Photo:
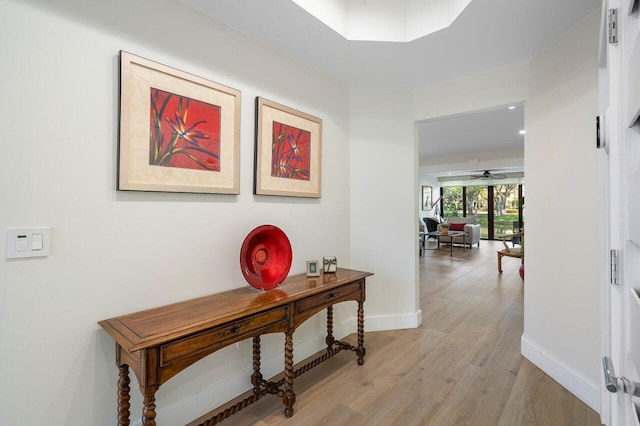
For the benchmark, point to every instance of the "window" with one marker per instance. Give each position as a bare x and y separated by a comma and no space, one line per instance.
477,205
504,217
453,202
506,211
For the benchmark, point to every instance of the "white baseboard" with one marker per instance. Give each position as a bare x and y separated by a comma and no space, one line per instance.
190,408
393,322
584,390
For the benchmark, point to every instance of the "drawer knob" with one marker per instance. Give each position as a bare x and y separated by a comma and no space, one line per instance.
331,296
235,329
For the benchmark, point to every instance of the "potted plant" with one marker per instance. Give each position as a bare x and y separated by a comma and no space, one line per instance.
444,227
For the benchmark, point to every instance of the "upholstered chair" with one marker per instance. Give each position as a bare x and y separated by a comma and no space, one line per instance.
517,252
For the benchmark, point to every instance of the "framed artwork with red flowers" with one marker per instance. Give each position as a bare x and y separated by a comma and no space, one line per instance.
178,132
288,151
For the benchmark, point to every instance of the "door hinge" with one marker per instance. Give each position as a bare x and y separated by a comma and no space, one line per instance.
615,267
613,25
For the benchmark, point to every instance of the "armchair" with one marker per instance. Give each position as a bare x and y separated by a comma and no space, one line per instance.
517,227
431,224
517,252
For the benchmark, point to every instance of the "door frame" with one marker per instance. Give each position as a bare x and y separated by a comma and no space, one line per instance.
613,82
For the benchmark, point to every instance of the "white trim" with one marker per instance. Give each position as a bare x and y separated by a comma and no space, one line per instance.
393,322
221,391
377,323
606,397
602,45
579,386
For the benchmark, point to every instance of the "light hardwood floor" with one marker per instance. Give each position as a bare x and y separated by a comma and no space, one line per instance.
461,367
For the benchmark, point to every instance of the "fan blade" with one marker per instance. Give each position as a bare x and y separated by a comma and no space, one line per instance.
488,175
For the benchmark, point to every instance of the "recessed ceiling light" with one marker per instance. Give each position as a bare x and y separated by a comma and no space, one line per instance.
512,107
522,132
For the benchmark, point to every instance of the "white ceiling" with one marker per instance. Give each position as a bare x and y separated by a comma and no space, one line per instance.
488,34
492,130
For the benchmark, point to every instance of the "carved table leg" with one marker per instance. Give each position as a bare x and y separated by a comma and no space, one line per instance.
256,377
330,339
289,398
123,396
149,408
360,351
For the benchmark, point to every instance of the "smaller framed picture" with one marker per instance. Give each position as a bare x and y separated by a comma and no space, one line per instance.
288,151
329,264
312,268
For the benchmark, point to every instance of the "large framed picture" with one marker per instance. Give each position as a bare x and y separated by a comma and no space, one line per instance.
178,132
427,197
288,151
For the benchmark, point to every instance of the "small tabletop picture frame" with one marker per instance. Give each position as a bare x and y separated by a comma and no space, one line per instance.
329,264
313,270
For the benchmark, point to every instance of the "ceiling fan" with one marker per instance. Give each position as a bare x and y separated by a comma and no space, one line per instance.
488,175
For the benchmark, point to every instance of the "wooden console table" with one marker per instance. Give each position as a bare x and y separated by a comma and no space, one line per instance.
159,343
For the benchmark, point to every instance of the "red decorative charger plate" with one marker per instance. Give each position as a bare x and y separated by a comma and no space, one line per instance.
265,257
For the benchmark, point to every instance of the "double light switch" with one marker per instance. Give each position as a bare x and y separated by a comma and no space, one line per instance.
28,242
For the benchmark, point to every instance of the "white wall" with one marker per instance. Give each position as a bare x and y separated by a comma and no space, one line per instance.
377,20
483,160
502,86
562,293
114,252
384,164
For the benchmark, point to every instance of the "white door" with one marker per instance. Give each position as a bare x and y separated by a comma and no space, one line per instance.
620,104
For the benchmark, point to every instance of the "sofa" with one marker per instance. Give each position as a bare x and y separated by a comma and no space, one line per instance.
469,226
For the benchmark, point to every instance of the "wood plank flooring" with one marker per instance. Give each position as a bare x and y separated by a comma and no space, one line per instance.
461,367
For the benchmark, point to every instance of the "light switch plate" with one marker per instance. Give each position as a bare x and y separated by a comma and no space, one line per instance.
28,242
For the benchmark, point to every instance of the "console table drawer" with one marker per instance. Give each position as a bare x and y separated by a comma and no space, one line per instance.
221,336
328,298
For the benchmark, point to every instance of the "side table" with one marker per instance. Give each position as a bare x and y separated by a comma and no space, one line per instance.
161,342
